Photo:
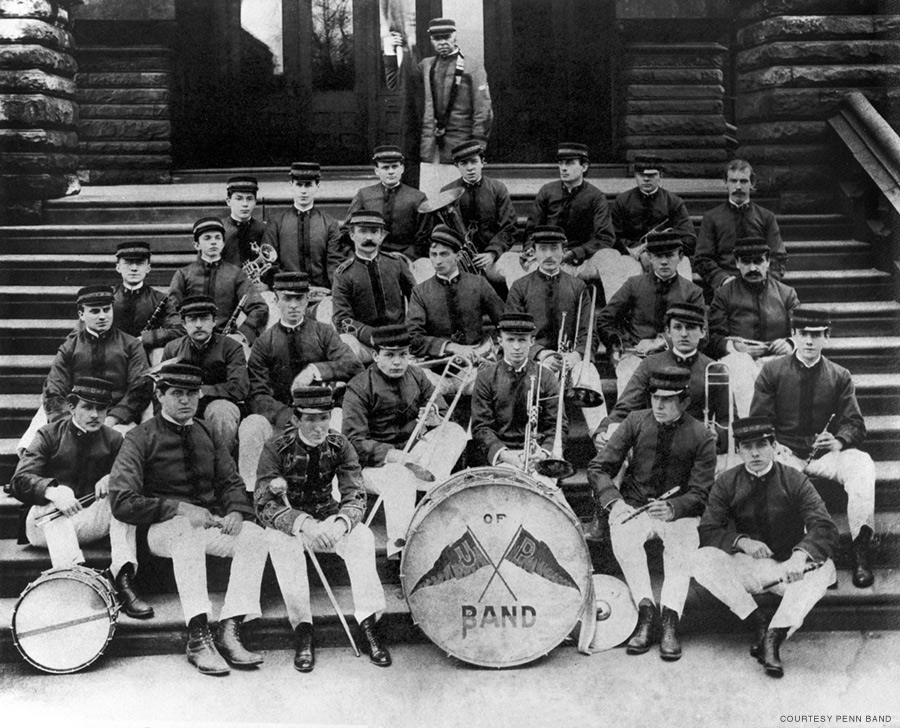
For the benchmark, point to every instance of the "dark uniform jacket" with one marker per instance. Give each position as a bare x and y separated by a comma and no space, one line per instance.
798,400
758,311
309,242
407,230
238,238
280,354
500,412
638,309
636,395
308,471
133,309
487,211
62,454
634,214
227,284
682,453
380,413
582,213
371,293
781,509
114,356
223,364
722,226
162,464
441,311
546,298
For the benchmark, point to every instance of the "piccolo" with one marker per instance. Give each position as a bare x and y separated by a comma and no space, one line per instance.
812,566
644,509
812,453
53,515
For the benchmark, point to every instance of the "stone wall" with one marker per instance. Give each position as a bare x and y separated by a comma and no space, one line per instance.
38,107
796,60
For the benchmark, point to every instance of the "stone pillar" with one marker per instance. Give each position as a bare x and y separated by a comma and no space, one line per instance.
38,110
796,60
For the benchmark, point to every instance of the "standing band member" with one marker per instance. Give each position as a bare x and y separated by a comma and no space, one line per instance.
670,450
68,462
294,501
763,526
243,232
819,427
175,477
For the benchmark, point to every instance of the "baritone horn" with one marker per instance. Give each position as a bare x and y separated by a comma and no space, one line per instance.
445,206
255,268
585,389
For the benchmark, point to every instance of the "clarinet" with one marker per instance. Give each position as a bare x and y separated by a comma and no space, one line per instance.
156,317
231,326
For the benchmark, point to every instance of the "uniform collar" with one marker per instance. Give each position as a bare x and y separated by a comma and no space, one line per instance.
176,425
291,328
132,291
739,207
510,368
686,358
447,281
804,364
763,475
308,210
549,276
366,261
97,335
574,190
210,263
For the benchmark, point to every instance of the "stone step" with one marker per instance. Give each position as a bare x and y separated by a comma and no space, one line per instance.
863,284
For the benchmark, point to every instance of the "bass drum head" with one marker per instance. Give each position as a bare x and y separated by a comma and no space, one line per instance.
495,569
64,620
616,614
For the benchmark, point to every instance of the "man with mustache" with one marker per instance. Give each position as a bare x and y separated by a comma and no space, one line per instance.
750,319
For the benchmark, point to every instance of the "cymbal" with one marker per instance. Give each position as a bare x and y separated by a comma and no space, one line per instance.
441,200
616,613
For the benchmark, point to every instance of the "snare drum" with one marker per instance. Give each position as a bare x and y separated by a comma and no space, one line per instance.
65,619
496,570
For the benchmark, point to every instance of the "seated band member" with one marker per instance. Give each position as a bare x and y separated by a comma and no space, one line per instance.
221,359
750,319
382,406
670,450
819,427
500,400
446,313
546,293
174,476
95,349
294,501
633,320
371,288
209,275
67,463
763,527
485,207
138,309
685,329
294,353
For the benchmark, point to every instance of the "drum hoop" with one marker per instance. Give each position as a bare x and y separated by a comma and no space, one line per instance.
90,578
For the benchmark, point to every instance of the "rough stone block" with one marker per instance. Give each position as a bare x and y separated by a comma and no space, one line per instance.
772,178
819,52
688,76
124,80
125,161
662,57
762,8
42,9
37,140
665,124
34,186
37,110
784,132
27,30
817,27
124,148
123,176
798,104
706,141
787,153
30,56
134,96
107,60
688,169
679,155
121,111
21,163
640,91
666,106
36,82
21,212
124,129
826,75
801,202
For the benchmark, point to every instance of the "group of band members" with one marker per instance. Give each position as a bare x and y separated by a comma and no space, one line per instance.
239,458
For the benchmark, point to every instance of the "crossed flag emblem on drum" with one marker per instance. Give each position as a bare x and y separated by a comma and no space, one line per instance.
466,555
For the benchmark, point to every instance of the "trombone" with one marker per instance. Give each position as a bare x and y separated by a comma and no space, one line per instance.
717,378
554,466
582,391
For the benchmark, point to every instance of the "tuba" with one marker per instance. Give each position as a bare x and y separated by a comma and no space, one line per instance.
445,206
255,268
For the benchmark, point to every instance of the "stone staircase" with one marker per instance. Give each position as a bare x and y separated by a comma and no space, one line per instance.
42,266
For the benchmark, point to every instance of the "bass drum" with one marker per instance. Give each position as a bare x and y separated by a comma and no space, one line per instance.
496,570
65,619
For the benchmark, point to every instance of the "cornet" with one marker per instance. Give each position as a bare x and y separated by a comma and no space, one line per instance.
266,256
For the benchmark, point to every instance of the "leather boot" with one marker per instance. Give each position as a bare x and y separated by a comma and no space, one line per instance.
862,572
132,604
669,646
228,642
759,625
771,658
643,634
378,654
201,651
305,654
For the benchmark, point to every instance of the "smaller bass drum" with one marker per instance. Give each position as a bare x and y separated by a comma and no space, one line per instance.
65,619
496,570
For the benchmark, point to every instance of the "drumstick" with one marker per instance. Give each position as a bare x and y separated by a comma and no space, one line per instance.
315,562
816,449
643,509
809,567
44,519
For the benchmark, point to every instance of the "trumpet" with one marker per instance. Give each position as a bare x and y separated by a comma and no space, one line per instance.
255,268
711,378
446,207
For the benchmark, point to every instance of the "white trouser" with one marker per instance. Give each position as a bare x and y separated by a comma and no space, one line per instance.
253,433
398,486
855,471
188,546
272,302
363,352
734,578
40,419
356,548
743,370
680,541
223,417
625,369
64,536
